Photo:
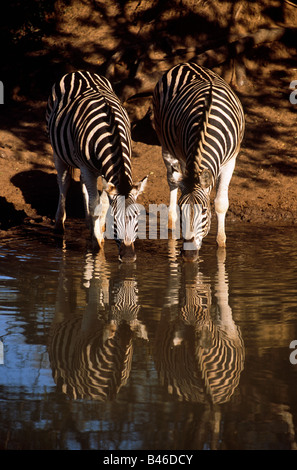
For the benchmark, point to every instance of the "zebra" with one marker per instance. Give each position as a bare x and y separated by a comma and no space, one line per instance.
199,350
89,129
91,349
200,124
90,364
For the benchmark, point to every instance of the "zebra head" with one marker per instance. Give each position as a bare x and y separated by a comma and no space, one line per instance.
195,210
125,212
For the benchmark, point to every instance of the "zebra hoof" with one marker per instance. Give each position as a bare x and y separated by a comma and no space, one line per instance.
97,245
221,240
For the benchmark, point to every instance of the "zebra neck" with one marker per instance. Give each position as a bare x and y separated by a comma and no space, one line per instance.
122,182
201,194
191,184
194,195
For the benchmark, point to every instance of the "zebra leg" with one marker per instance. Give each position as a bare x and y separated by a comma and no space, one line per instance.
86,204
104,202
64,179
93,206
226,321
173,177
172,213
222,201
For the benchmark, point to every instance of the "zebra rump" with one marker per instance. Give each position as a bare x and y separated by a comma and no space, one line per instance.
200,124
89,129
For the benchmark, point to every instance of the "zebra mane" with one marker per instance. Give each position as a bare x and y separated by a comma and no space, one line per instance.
194,159
90,84
125,184
123,175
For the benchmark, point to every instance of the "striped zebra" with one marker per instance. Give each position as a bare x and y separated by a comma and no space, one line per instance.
89,129
199,354
91,350
90,364
200,124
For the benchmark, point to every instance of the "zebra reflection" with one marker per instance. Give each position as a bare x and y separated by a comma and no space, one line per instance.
199,350
91,354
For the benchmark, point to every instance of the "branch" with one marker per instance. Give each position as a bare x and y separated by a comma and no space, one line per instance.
147,67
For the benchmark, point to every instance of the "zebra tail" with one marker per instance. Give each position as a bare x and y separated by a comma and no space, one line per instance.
205,119
195,161
124,171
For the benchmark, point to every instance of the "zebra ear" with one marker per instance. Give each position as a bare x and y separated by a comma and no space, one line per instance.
205,178
139,187
110,188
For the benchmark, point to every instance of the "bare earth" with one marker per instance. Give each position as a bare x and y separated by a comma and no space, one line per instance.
263,188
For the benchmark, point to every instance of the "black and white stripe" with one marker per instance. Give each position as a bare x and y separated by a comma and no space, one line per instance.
91,352
197,360
126,306
199,350
125,212
93,364
200,124
89,129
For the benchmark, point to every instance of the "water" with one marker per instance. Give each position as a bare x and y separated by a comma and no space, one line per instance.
159,355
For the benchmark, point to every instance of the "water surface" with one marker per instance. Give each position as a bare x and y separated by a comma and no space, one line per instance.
159,355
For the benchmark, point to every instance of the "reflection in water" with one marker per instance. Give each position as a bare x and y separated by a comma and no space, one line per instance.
91,355
199,353
180,389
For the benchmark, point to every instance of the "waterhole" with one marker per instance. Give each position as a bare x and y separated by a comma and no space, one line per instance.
160,354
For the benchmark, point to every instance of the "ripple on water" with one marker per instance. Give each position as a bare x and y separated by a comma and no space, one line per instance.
43,285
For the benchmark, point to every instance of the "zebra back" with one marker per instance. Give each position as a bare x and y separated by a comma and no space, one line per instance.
88,125
198,118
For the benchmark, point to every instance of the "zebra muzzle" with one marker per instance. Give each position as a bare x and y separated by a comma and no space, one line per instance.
189,251
127,253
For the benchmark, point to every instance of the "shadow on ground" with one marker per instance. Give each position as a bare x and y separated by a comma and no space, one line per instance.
40,190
